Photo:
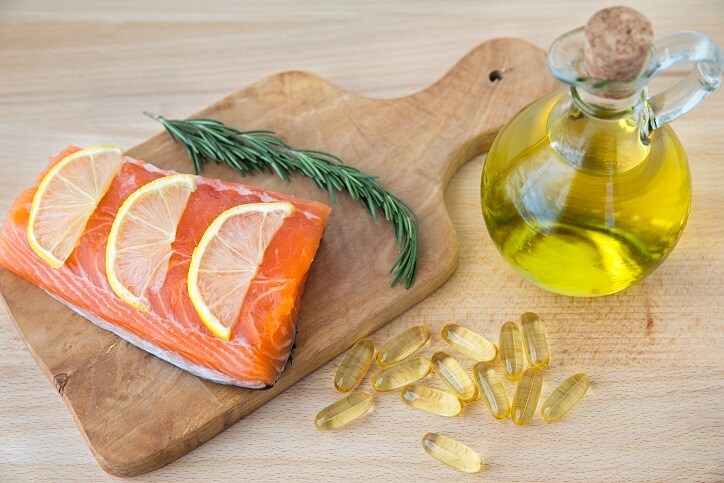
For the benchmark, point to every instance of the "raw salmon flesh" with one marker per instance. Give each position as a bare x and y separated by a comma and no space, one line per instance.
262,339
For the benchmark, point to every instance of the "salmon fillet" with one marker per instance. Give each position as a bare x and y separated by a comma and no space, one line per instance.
262,339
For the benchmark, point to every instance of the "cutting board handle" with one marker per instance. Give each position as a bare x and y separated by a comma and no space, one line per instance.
480,93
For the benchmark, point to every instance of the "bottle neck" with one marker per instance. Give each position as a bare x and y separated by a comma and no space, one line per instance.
606,108
598,134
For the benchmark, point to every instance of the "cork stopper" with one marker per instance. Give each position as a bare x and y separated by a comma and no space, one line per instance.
618,43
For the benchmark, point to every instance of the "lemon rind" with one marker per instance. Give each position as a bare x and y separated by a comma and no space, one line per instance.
202,309
43,253
116,285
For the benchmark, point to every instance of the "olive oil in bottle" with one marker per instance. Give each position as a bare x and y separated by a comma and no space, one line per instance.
587,225
586,191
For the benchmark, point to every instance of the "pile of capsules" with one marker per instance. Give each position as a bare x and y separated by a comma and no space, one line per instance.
400,371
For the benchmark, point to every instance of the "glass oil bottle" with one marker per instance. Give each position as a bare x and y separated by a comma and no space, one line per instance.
586,191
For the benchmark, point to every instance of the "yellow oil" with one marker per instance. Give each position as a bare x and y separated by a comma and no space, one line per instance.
452,453
469,343
454,376
401,374
354,365
431,400
583,204
535,340
526,397
491,390
344,411
403,345
510,345
564,397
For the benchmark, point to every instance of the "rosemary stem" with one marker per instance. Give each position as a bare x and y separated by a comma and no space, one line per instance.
262,151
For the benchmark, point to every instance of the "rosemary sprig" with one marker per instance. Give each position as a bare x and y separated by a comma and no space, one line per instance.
264,152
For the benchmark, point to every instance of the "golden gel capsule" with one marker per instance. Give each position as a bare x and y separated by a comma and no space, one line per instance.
534,340
469,343
491,390
354,365
527,394
343,411
565,397
452,453
431,400
454,376
402,374
511,351
403,346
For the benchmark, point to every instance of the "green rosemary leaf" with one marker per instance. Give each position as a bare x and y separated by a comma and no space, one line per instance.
262,151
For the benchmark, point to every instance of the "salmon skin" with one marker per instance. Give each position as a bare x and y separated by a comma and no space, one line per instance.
262,339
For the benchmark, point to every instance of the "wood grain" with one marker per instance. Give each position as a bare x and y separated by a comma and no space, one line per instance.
654,352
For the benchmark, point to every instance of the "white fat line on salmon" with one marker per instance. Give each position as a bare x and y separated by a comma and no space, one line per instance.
175,359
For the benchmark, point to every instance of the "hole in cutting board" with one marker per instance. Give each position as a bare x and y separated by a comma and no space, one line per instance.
495,75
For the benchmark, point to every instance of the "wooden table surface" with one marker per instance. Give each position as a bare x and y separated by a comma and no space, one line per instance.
82,72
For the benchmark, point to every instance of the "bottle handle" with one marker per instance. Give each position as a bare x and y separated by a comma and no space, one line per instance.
705,77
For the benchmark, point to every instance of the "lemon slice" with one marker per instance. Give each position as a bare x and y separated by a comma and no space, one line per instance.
227,259
139,244
65,199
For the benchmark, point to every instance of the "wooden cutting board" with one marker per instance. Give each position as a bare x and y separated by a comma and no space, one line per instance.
138,412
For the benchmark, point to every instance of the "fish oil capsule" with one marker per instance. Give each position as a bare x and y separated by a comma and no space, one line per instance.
491,390
354,365
343,411
535,340
402,374
454,376
452,453
431,400
511,351
564,397
403,345
527,394
469,343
